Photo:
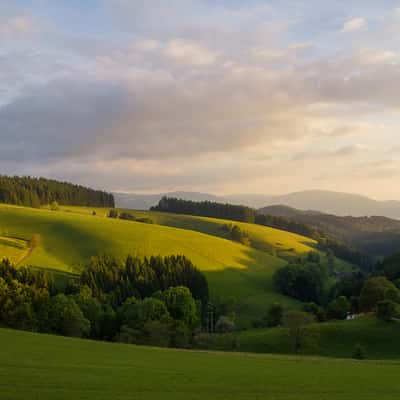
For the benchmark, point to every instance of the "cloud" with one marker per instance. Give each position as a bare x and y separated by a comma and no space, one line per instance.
18,27
198,95
339,153
371,56
354,24
189,52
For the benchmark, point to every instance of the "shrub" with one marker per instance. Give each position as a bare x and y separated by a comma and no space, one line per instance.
54,206
359,352
386,310
224,325
338,308
126,216
113,213
275,315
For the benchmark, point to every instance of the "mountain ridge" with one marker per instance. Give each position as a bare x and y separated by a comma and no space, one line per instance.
323,201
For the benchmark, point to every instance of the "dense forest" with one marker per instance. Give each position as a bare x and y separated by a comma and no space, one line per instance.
34,192
155,301
206,209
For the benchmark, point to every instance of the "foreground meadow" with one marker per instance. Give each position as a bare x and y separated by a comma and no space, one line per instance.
37,366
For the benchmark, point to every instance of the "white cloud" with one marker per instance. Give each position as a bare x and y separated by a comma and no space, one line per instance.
189,52
370,57
354,24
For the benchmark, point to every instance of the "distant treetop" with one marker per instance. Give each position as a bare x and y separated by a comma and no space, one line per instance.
206,209
34,192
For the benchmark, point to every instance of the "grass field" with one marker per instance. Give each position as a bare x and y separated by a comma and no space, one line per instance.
276,242
34,366
14,249
333,339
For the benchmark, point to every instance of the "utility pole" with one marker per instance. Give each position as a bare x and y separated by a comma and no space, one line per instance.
210,318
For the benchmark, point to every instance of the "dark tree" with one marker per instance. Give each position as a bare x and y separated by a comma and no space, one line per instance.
206,209
34,192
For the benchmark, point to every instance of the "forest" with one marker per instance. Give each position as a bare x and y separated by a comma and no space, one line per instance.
206,209
35,192
156,300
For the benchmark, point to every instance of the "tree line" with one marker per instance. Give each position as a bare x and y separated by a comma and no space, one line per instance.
157,300
206,209
34,192
250,215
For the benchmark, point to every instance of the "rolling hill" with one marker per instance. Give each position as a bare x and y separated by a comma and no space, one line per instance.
39,366
324,201
377,236
65,240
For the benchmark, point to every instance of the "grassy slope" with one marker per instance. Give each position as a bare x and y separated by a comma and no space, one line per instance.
14,249
276,242
333,339
34,366
68,239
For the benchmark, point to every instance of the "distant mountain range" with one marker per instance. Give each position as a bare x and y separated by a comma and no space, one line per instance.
145,201
341,204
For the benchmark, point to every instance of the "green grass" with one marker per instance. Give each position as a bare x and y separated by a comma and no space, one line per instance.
34,366
14,249
279,243
333,339
67,240
69,237
274,241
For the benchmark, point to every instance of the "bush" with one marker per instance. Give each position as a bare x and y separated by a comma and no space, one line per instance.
145,220
313,257
113,213
386,310
296,322
275,315
224,325
126,216
54,206
359,352
236,234
338,308
316,310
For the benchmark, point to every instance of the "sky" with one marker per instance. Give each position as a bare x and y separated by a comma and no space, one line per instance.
203,95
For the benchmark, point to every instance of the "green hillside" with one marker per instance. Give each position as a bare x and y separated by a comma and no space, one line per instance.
37,366
14,249
66,239
274,241
333,339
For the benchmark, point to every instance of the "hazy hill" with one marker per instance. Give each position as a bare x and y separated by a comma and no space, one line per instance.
145,201
337,203
375,235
